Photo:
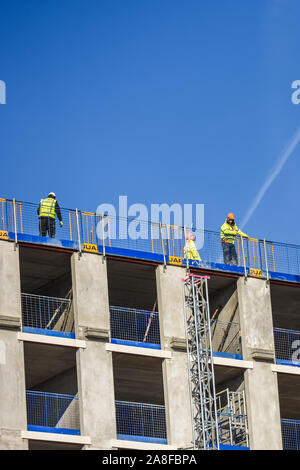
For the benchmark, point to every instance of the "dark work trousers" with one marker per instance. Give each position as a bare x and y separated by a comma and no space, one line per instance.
47,224
229,253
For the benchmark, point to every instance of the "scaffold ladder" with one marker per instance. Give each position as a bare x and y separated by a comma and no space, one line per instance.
200,363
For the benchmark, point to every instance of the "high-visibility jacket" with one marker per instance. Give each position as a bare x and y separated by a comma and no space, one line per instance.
190,250
229,232
47,207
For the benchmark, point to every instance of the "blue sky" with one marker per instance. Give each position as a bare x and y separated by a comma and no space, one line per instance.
165,101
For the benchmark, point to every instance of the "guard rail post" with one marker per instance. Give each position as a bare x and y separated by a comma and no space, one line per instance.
103,238
187,258
266,261
244,260
78,233
15,222
162,244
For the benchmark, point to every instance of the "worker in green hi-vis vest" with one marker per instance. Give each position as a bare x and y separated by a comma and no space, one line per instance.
229,231
47,210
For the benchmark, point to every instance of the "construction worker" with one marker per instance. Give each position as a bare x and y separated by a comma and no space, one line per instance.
229,231
46,211
190,250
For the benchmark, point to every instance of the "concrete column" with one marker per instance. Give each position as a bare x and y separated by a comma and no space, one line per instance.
261,387
13,418
94,364
175,370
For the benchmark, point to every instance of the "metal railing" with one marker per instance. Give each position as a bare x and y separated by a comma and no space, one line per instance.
290,429
81,227
139,421
232,418
41,314
226,338
135,326
287,346
52,412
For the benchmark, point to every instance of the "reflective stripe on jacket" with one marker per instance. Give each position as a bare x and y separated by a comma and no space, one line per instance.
229,232
47,207
190,250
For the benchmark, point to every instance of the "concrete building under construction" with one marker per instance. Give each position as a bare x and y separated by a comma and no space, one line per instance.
98,339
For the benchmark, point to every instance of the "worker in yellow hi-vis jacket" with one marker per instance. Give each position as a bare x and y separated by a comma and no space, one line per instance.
190,250
47,210
229,231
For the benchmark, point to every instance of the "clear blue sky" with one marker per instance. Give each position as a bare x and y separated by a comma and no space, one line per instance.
161,100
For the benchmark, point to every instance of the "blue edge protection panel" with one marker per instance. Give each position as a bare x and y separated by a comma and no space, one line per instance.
36,428
44,331
284,362
136,254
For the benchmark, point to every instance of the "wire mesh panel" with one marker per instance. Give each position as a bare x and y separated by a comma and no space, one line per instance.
140,420
287,345
212,251
126,233
287,258
226,337
52,410
290,429
28,219
135,325
8,212
49,313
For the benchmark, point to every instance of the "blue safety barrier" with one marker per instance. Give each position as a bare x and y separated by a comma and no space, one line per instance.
141,422
52,412
287,347
43,315
134,327
290,429
149,241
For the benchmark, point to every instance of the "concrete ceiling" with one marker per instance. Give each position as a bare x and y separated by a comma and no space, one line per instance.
228,377
138,379
39,267
131,285
286,306
289,397
217,283
44,361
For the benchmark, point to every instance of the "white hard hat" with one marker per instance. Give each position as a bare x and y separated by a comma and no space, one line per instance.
52,194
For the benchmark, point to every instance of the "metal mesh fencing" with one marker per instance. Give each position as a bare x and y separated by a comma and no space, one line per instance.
151,237
290,429
134,325
140,420
50,313
226,337
9,213
128,234
286,258
28,219
287,345
52,410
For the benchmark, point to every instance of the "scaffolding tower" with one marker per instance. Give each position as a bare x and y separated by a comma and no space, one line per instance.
200,363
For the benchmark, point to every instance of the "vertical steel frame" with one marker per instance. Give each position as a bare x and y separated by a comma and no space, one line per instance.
200,363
